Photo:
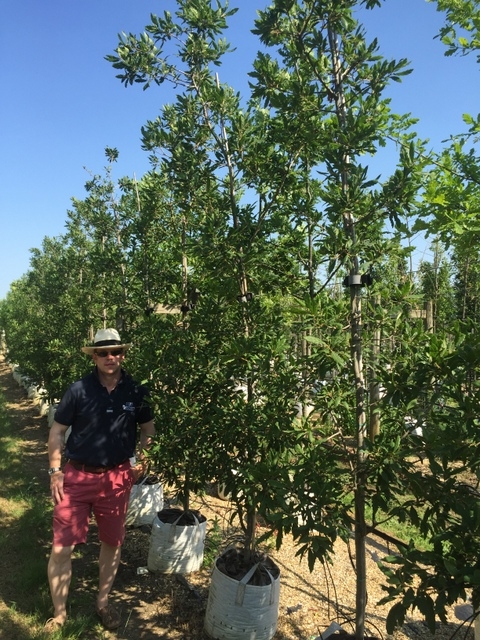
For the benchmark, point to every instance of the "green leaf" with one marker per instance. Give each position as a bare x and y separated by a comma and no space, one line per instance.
395,618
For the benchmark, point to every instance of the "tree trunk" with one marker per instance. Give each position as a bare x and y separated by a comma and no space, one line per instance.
356,348
374,384
360,480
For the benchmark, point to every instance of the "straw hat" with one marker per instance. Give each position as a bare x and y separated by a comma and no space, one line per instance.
106,339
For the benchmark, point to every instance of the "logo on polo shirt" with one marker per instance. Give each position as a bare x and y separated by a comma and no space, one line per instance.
129,406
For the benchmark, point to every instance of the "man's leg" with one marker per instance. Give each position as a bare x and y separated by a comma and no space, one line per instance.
70,527
59,576
108,565
110,509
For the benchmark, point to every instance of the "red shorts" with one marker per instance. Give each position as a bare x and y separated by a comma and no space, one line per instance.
103,494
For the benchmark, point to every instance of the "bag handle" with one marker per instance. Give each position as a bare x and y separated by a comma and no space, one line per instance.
174,526
243,584
272,583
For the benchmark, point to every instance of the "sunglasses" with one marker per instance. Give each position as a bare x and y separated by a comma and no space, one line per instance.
113,352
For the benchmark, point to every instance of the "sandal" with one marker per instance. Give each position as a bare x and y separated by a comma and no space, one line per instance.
52,625
109,617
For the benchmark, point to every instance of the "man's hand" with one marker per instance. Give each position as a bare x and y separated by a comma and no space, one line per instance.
56,486
140,469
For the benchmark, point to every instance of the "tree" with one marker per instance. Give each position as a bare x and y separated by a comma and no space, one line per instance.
227,358
437,286
332,80
43,318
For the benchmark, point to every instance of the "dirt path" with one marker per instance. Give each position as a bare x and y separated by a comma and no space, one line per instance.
163,606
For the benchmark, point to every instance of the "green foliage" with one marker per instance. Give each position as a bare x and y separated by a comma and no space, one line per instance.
451,194
42,330
142,59
460,34
443,506
213,542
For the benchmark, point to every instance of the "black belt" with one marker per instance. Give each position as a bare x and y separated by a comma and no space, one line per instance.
88,468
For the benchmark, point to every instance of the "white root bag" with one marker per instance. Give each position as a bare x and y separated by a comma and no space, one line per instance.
240,611
176,548
146,500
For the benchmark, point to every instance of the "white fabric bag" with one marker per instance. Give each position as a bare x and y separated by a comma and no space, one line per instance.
237,610
146,500
176,548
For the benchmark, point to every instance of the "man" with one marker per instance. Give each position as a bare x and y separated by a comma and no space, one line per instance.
103,410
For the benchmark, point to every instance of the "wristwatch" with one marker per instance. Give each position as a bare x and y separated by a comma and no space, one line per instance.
53,470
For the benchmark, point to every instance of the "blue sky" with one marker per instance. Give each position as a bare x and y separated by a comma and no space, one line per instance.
62,104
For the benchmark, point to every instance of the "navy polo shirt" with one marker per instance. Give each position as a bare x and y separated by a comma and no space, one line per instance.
104,425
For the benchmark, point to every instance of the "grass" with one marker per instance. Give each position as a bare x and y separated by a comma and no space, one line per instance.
406,532
25,538
399,530
25,515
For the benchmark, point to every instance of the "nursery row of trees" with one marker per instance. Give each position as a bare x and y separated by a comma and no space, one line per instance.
262,275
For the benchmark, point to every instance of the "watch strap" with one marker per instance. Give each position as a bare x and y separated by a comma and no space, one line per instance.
53,470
